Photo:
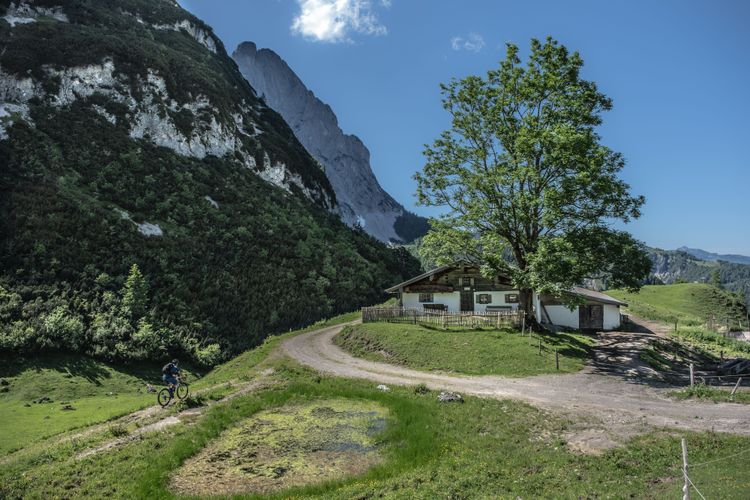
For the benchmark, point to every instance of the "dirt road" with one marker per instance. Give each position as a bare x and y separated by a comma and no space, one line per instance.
618,406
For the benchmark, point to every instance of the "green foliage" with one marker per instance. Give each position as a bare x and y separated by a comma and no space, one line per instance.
474,352
522,171
62,329
76,275
713,342
135,294
716,278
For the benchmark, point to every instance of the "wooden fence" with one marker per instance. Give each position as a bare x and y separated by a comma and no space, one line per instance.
443,319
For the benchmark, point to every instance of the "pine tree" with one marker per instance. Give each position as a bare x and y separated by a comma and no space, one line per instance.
135,295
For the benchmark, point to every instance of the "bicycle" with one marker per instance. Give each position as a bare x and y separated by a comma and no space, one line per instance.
181,390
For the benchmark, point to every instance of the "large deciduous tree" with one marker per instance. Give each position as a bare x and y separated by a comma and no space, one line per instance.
526,185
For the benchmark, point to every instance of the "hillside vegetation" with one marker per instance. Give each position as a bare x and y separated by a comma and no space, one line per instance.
138,142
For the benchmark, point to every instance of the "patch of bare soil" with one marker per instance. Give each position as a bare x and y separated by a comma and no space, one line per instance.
294,445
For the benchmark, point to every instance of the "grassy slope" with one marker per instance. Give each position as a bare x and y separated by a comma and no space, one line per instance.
690,304
98,391
482,448
477,352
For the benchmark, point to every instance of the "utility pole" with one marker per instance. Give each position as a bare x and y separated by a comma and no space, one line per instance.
686,486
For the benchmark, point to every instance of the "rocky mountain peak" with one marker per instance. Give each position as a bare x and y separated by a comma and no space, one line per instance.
362,201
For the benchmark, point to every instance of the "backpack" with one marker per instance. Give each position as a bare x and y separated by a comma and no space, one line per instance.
167,369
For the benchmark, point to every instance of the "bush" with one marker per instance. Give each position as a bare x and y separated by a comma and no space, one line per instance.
62,330
210,355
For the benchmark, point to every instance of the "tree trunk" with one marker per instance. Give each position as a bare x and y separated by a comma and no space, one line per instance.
526,304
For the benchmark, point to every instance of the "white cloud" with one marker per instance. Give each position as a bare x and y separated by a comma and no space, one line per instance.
473,42
334,20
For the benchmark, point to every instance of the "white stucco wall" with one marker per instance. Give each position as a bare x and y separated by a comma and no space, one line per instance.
563,316
611,317
452,300
498,299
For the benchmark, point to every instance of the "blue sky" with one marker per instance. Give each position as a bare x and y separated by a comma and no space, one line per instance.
678,72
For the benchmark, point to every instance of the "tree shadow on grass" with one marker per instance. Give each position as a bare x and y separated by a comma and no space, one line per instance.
93,371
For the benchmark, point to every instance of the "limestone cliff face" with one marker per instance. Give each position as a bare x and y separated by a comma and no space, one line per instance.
190,115
346,160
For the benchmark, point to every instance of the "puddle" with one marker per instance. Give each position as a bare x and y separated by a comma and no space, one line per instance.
289,446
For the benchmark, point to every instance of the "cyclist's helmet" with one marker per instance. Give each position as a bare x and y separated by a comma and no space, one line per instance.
174,361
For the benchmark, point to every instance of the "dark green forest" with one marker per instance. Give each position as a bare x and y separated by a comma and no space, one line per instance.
238,259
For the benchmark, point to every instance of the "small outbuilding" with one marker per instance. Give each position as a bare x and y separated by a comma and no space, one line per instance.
462,288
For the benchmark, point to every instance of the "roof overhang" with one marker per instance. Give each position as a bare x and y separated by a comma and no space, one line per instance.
437,270
597,296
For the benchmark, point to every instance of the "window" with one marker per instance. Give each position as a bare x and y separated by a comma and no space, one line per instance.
511,298
425,297
484,298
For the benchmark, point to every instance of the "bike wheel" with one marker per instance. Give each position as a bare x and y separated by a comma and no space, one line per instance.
164,397
182,391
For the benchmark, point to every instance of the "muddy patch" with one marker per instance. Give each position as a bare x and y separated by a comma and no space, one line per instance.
294,445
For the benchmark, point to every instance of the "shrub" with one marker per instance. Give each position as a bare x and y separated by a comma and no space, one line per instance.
61,329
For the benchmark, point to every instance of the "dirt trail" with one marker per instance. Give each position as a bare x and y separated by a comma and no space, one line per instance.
618,406
185,416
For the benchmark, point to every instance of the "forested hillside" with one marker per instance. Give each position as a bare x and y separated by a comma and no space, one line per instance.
150,203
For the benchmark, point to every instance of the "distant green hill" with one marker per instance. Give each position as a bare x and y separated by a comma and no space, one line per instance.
692,304
676,266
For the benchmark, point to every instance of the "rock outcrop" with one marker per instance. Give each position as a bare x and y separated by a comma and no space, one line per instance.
193,125
362,201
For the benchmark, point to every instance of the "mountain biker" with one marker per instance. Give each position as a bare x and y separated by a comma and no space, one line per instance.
170,372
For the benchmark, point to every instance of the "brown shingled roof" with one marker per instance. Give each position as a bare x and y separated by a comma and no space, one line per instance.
597,296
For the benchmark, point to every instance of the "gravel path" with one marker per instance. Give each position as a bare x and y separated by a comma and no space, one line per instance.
606,406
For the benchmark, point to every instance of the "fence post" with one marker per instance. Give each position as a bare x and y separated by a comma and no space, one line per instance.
523,323
675,326
692,375
736,386
557,359
686,479
722,356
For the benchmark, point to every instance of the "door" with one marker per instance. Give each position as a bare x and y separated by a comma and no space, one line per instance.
467,301
591,317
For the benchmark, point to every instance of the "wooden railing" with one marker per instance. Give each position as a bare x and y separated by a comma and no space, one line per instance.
444,319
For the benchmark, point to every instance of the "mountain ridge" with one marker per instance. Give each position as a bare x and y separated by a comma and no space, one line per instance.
714,257
362,200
